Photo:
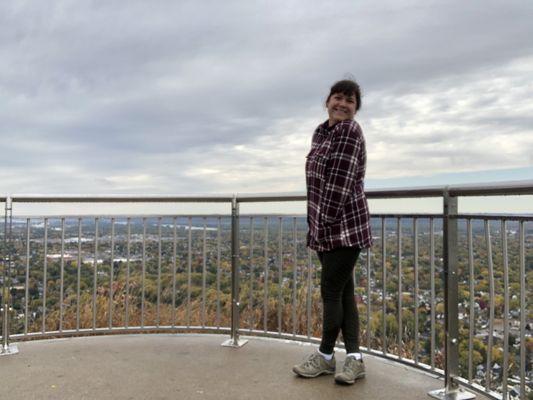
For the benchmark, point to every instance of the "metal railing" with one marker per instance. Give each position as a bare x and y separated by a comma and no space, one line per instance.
420,287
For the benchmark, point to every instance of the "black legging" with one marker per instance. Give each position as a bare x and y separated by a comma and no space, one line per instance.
337,289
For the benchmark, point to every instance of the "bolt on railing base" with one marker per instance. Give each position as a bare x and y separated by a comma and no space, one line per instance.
459,394
9,349
234,343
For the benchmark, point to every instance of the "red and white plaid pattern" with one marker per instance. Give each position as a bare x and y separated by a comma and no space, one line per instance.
337,210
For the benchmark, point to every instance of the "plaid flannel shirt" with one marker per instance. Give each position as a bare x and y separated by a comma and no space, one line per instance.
337,210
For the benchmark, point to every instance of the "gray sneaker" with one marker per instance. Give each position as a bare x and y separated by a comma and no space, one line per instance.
353,369
314,365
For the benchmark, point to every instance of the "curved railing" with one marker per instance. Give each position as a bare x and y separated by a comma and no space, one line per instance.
434,292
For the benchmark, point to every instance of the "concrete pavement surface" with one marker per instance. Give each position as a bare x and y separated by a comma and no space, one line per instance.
190,366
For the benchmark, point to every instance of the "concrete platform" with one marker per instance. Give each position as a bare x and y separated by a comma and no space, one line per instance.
185,366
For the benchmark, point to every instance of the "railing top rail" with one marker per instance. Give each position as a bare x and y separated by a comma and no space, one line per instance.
270,197
407,192
434,191
477,189
511,188
119,198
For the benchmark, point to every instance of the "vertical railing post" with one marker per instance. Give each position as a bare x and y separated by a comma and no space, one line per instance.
449,248
451,312
5,307
234,339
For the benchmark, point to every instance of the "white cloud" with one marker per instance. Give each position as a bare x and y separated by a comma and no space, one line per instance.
479,121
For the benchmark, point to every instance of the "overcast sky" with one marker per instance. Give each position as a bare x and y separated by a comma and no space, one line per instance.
223,96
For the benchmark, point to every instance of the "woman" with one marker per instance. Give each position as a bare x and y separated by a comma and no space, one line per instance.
339,227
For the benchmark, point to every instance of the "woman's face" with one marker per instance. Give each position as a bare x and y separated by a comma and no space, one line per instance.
341,107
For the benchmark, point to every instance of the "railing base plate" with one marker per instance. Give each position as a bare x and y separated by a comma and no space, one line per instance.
10,349
459,394
234,343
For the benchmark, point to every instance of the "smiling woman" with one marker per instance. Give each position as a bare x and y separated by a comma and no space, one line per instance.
339,228
343,101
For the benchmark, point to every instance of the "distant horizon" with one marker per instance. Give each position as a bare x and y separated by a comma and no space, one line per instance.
514,204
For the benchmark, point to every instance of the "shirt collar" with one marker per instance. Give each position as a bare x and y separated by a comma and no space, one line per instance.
324,128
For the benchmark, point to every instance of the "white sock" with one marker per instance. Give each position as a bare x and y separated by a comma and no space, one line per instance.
328,357
357,356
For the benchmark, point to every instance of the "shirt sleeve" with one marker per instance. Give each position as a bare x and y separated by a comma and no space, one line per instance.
341,173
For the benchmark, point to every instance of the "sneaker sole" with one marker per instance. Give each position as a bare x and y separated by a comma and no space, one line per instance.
350,382
303,375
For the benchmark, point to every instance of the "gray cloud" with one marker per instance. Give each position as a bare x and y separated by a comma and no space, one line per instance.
178,96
